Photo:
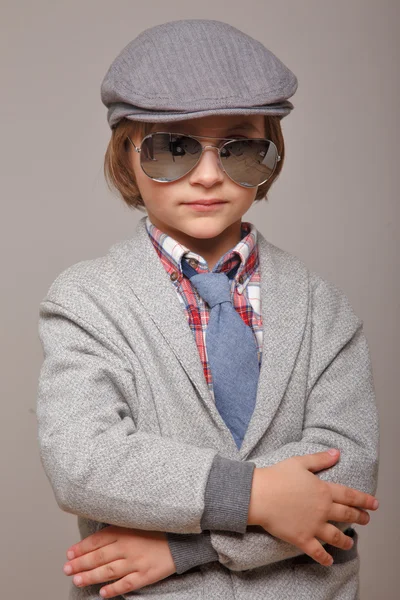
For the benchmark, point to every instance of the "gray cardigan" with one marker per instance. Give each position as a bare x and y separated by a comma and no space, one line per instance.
129,434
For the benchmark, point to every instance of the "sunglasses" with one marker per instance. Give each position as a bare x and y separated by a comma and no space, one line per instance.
166,157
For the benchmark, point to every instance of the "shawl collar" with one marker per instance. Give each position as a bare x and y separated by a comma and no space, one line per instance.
284,305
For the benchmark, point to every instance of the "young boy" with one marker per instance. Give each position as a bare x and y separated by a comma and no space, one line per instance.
195,376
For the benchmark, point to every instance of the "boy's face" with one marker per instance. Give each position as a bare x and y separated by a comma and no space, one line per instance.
169,204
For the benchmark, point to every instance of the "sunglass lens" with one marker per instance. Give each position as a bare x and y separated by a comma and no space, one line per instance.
249,162
167,157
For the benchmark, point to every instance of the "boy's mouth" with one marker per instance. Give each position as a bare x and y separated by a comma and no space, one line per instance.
208,202
206,205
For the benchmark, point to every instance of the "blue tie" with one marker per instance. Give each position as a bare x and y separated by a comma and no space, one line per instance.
231,351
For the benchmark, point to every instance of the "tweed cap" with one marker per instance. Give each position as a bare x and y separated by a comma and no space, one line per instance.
193,68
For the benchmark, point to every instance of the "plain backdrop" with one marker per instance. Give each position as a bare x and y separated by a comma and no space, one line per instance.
335,205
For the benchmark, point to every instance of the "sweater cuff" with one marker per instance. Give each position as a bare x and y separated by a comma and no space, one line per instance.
191,549
227,495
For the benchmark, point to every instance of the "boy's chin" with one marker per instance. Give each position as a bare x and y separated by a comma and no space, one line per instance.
205,228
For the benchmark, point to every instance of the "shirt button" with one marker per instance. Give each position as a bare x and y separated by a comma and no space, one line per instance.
174,276
193,262
241,279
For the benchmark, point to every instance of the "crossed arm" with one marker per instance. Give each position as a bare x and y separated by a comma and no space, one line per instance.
93,464
343,396
340,413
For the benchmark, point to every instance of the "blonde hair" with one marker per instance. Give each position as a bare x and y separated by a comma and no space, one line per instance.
119,174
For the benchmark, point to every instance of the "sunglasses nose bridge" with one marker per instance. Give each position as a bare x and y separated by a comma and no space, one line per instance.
213,147
210,146
219,161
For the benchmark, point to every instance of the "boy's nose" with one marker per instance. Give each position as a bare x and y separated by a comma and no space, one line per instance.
208,170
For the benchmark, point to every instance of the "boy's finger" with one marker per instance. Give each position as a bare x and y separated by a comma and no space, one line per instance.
92,560
92,542
315,549
347,514
132,582
351,497
111,571
319,460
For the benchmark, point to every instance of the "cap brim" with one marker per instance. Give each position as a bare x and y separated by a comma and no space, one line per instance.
134,113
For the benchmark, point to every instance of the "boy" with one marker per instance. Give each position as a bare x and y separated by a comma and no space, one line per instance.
201,473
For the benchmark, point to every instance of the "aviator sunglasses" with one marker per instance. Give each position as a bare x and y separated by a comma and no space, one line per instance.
166,157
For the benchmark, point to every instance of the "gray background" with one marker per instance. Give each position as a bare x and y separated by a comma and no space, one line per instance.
335,205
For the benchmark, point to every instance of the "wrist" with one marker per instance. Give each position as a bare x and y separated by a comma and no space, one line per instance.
260,496
254,516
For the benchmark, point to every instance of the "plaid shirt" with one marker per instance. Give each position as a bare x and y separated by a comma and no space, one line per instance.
245,285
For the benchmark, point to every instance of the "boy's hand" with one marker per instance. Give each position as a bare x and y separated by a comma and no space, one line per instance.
132,556
293,504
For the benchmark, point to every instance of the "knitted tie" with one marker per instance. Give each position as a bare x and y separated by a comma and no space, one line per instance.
231,351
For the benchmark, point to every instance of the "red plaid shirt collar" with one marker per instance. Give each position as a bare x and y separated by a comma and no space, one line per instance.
171,252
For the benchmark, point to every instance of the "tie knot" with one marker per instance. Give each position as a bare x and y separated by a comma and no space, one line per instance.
214,288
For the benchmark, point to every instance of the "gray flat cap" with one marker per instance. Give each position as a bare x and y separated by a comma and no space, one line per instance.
193,68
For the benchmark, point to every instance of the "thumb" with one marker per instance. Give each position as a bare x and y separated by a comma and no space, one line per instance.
320,460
